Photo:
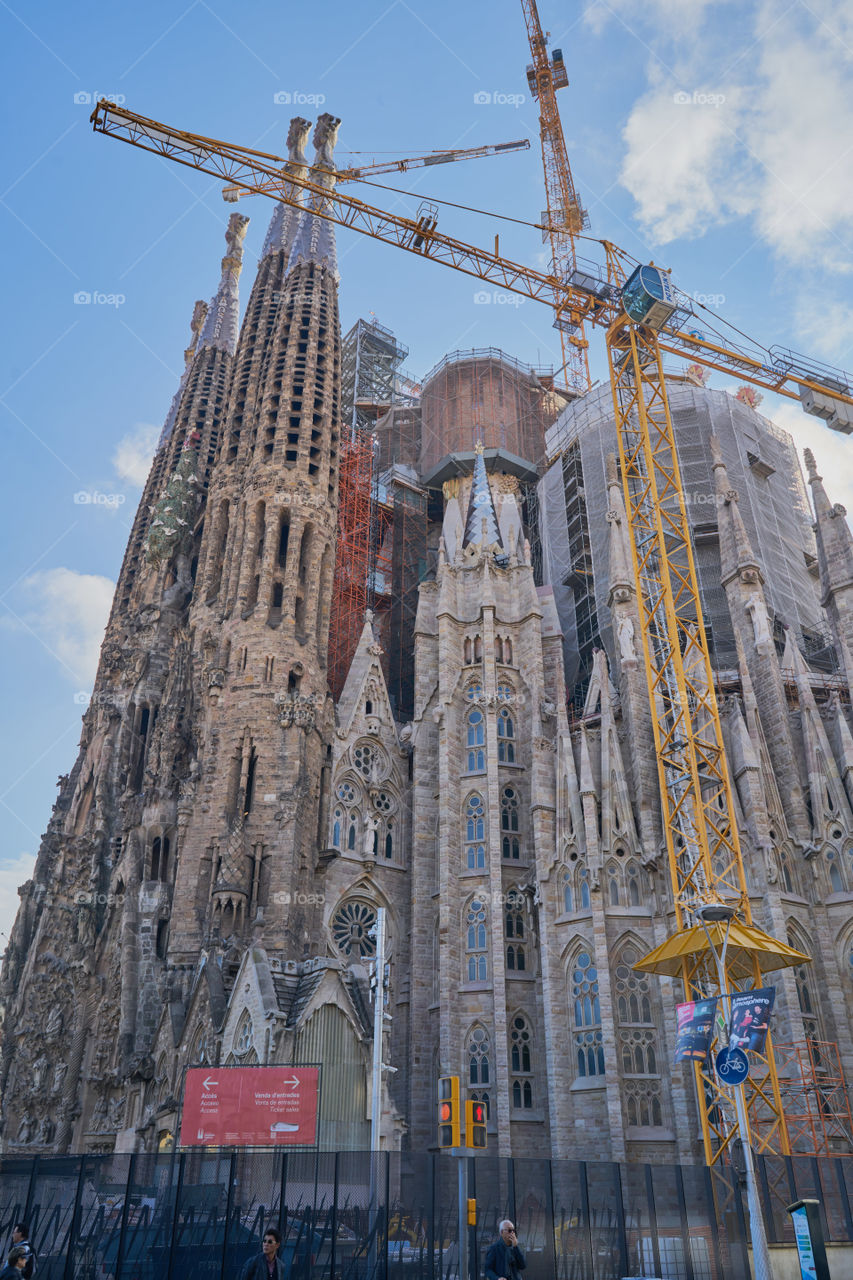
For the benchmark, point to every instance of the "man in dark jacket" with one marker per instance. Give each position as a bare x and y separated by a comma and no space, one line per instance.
504,1259
21,1236
266,1265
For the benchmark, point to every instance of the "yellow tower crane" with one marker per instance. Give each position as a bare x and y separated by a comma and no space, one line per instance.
564,218
643,316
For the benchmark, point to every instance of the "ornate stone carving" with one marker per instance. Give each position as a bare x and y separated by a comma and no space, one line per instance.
298,710
757,611
215,677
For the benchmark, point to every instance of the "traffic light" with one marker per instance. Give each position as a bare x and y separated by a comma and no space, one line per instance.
475,1124
449,1120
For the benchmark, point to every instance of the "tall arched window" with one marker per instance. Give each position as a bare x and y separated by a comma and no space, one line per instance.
632,883
514,931
506,737
510,843
583,889
520,1063
337,827
589,1048
475,941
479,1075
637,1041
475,833
568,896
836,879
806,994
613,876
476,742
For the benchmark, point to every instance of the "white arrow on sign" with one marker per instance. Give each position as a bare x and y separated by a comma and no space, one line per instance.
294,1082
208,1083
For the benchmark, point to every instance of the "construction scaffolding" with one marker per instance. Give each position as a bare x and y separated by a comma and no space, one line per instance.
401,564
352,556
371,375
814,1098
381,547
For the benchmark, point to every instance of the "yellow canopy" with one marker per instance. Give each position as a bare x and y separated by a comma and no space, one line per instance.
745,943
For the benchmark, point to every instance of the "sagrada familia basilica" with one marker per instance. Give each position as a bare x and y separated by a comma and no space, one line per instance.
210,874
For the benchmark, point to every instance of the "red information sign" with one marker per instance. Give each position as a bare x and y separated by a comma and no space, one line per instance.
250,1106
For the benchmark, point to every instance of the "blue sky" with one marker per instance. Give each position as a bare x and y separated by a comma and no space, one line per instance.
713,137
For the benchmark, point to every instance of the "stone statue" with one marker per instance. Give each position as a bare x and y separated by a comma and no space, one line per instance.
54,1025
59,1073
297,141
323,170
757,611
38,1072
371,826
625,633
25,1129
46,1131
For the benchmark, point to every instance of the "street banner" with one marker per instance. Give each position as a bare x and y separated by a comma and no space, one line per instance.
250,1107
695,1029
750,1019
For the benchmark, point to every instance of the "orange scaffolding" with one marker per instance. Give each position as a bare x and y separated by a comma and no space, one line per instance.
814,1098
352,556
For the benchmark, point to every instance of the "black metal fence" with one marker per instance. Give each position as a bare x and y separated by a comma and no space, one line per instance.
394,1216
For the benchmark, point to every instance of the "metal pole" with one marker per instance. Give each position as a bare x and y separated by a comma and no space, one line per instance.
760,1251
462,1205
376,1096
378,1015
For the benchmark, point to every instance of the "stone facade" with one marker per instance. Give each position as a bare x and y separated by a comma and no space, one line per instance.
207,887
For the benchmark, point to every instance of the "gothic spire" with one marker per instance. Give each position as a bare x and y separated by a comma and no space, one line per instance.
199,316
620,575
314,237
737,556
481,523
834,539
285,218
222,324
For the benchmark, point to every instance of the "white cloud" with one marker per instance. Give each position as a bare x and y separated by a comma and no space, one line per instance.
13,873
134,452
832,451
69,612
777,149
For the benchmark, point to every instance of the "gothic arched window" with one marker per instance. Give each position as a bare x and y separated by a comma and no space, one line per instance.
475,941
475,833
632,880
521,1063
337,828
807,996
568,897
637,1041
479,1075
510,843
506,737
613,883
476,742
589,1048
836,880
583,889
514,931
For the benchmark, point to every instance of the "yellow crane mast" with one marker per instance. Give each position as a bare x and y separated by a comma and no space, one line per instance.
564,218
643,316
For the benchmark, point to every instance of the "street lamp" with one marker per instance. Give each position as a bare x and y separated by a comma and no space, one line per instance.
724,913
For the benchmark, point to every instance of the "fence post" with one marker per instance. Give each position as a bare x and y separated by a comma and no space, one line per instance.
334,1240
653,1222
125,1211
770,1223
431,1242
739,1218
620,1219
31,1193
75,1220
714,1225
685,1223
282,1200
550,1244
585,1211
845,1198
228,1205
175,1213
387,1211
